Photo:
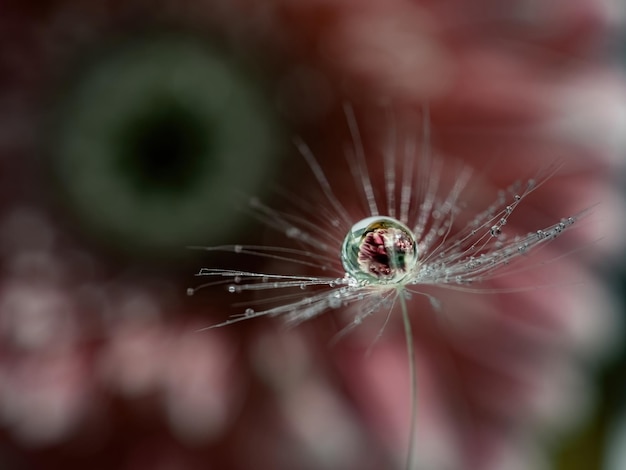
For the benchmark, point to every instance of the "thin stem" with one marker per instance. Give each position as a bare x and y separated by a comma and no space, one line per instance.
413,377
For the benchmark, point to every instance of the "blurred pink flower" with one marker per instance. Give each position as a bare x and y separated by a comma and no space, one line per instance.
100,363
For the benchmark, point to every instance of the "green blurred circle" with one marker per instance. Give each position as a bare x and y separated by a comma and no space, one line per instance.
156,139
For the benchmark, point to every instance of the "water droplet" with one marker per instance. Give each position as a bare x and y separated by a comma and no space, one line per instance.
190,291
232,289
249,311
238,248
237,279
379,250
495,231
334,301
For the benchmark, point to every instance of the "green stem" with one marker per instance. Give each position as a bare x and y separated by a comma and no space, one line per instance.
413,377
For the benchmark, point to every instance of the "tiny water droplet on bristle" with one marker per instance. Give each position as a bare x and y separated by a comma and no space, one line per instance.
190,291
232,289
238,248
249,311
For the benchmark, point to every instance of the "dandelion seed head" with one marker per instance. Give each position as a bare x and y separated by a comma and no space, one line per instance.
417,233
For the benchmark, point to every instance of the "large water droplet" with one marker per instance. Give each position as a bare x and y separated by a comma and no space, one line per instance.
379,250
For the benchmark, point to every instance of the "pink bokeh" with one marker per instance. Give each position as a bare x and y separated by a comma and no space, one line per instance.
103,367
